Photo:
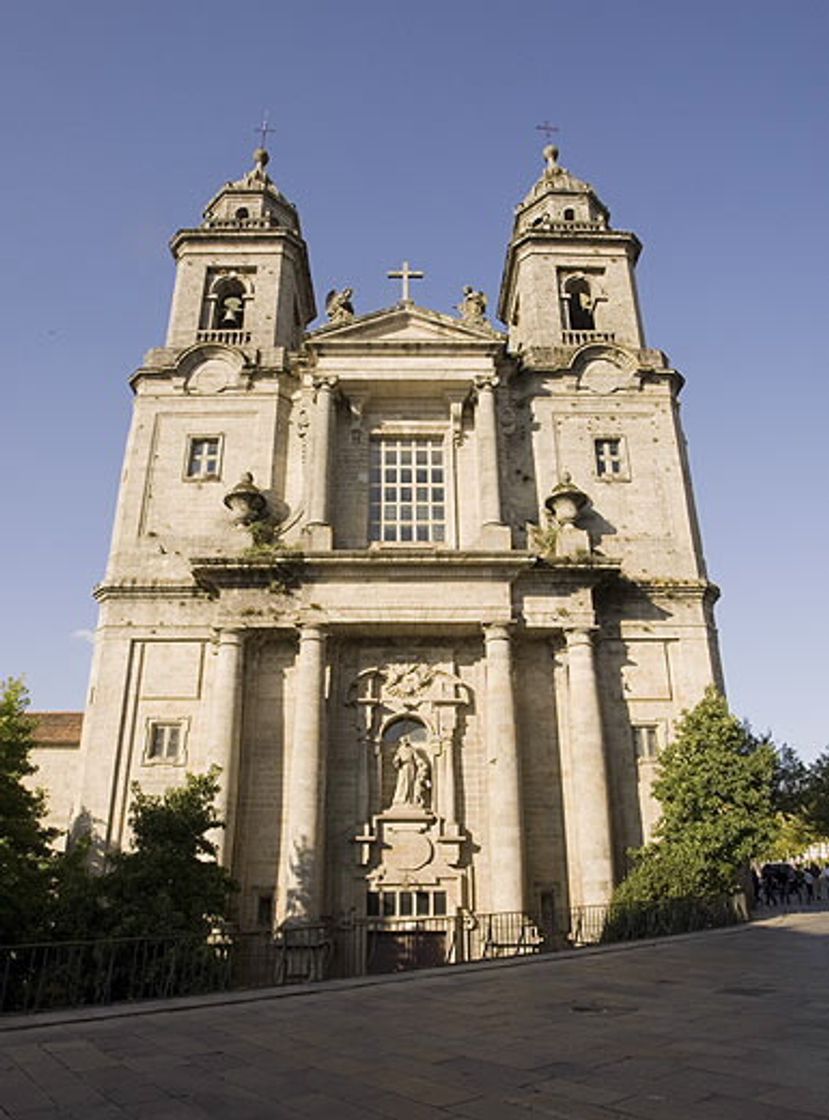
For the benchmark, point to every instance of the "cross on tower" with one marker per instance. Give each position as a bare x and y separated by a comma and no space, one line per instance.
405,274
263,129
548,130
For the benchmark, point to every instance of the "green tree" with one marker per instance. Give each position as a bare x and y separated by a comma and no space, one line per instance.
715,786
170,882
25,852
816,795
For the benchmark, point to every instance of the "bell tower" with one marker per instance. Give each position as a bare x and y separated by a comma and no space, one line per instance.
243,276
568,278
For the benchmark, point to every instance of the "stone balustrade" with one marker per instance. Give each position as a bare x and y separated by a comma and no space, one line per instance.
579,338
230,338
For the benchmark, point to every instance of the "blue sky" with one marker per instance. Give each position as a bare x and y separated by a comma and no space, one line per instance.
408,130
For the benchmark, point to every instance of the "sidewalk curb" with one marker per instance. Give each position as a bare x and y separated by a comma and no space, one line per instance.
43,1019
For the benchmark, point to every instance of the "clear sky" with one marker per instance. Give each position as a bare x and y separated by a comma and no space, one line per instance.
408,130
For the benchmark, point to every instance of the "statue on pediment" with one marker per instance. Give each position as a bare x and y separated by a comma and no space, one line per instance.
473,306
338,306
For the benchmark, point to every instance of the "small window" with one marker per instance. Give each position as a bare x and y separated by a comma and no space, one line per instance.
165,742
203,457
264,910
610,458
645,741
569,214
242,213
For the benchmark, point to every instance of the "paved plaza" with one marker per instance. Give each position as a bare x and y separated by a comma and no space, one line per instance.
729,1025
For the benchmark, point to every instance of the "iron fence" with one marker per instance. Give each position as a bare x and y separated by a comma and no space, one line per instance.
82,973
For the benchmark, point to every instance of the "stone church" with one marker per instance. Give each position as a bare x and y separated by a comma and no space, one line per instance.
430,594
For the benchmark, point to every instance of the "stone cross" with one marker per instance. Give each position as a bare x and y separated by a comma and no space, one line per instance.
405,274
263,130
548,130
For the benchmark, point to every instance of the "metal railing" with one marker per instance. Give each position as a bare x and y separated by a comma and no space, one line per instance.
82,973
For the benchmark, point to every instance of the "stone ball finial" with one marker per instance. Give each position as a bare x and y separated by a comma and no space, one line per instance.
262,157
550,154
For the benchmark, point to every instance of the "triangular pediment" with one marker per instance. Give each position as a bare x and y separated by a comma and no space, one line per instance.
404,325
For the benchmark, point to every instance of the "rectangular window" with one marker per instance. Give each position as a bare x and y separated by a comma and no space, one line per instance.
165,742
645,741
610,458
264,910
203,457
407,490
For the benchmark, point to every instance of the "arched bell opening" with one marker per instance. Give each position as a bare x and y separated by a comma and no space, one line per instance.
579,304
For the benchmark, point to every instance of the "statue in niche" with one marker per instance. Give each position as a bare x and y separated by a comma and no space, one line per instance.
413,776
473,306
338,306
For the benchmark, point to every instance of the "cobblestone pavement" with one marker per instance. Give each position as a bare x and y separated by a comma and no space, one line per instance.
732,1025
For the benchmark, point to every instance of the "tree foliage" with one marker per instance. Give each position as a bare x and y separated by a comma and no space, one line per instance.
170,882
715,785
25,854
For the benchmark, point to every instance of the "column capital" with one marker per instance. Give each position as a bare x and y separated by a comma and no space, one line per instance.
497,631
486,382
311,632
327,382
580,635
227,636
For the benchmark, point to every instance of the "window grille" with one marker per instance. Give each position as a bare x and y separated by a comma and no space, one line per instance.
407,490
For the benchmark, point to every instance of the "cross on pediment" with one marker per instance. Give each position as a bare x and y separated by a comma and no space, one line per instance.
405,273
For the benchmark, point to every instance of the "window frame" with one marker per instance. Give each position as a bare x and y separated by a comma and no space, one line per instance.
654,728
412,432
623,474
193,439
153,725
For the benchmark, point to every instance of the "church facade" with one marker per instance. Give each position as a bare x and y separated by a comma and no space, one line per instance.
429,594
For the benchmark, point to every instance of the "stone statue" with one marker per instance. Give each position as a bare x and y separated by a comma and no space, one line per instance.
413,776
473,306
338,306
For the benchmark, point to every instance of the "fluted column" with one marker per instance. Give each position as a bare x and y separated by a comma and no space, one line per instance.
302,857
223,734
321,450
486,439
506,856
589,807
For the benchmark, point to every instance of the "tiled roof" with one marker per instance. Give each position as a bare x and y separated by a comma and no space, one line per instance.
57,729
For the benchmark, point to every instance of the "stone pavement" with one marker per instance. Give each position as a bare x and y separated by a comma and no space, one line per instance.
729,1025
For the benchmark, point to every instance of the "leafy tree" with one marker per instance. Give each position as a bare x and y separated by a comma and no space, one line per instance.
170,882
714,783
816,795
25,854
791,779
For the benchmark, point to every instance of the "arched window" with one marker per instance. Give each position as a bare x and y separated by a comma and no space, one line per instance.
579,303
569,214
229,314
242,213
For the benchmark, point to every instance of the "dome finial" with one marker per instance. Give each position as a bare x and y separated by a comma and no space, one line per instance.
261,156
550,154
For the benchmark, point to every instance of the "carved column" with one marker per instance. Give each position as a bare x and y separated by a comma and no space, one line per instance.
301,874
506,857
319,471
586,793
223,734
